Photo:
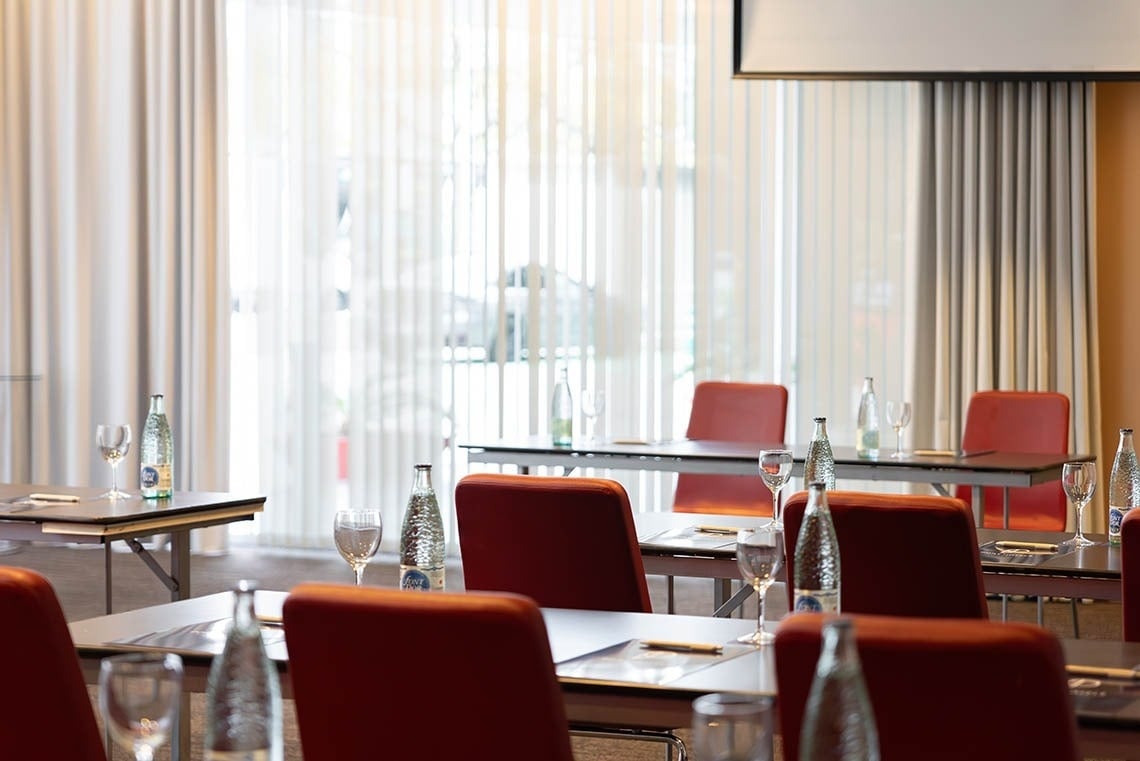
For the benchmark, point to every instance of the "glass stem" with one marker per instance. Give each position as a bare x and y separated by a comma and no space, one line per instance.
359,571
776,506
759,607
114,478
1080,521
898,442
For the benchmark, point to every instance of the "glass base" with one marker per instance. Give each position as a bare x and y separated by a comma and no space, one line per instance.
757,638
1078,541
114,494
899,455
773,525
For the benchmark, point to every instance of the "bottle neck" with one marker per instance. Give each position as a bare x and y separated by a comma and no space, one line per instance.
244,616
156,405
423,479
820,430
1126,442
839,648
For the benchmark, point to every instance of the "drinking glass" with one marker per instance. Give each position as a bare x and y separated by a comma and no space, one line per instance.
593,405
776,470
898,417
138,697
357,536
729,727
760,556
1079,479
113,441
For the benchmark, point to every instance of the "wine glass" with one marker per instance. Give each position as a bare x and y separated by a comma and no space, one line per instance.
760,557
898,417
776,470
138,697
1079,479
733,727
357,536
593,405
113,441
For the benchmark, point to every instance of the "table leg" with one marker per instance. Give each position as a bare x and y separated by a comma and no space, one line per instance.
978,496
107,576
180,742
180,565
1005,507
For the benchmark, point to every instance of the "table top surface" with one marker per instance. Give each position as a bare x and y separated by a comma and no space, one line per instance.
681,534
734,451
95,509
577,638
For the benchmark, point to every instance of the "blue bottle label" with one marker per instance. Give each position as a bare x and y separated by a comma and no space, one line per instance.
816,601
1115,516
148,477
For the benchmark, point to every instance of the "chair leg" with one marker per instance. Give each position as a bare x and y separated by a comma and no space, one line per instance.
669,594
671,740
1040,610
1074,603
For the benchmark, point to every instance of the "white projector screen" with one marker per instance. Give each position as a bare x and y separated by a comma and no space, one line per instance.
937,39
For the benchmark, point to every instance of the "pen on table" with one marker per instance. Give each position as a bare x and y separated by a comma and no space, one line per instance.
1040,546
1106,672
732,530
682,647
53,497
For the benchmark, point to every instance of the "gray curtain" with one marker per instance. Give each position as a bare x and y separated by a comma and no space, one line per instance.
1005,231
113,259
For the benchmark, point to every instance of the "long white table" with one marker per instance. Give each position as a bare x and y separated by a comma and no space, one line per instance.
95,520
977,470
652,704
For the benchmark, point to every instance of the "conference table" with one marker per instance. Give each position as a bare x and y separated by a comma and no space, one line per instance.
80,515
605,680
939,469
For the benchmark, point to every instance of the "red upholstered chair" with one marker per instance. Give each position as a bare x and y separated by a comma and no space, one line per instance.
724,411
942,689
565,542
900,554
1130,575
1020,421
45,708
421,675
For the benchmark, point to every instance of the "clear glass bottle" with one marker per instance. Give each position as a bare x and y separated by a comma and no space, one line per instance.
817,579
243,693
156,453
422,545
867,423
1123,485
839,723
820,462
562,412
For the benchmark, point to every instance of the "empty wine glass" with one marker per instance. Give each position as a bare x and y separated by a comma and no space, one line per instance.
593,405
138,697
113,441
776,470
357,535
760,556
898,417
1079,479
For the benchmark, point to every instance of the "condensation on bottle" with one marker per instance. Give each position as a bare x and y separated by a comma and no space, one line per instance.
817,574
819,465
243,693
867,422
562,412
1123,485
839,722
156,453
422,543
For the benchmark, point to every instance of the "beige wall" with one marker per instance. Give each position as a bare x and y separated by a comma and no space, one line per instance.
1118,262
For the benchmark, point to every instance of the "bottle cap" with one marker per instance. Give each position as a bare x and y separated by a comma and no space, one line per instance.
820,485
820,419
1126,430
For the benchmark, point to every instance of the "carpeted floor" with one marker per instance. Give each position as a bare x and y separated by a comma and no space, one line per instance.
77,575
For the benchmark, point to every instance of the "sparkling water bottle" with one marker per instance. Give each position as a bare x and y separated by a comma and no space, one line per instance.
562,412
156,454
243,694
867,424
1123,486
421,538
839,724
820,462
817,557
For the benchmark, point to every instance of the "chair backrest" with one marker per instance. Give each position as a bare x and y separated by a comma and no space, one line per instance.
899,554
422,675
46,709
1130,575
942,689
565,542
1020,421
727,411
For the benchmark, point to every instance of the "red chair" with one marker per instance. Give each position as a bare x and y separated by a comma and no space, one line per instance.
1020,421
942,689
373,667
724,411
899,554
565,542
1130,575
45,706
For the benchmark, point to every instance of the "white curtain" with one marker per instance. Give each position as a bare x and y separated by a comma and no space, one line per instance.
113,263
1009,277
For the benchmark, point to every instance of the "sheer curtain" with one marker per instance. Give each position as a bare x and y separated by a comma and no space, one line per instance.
113,269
